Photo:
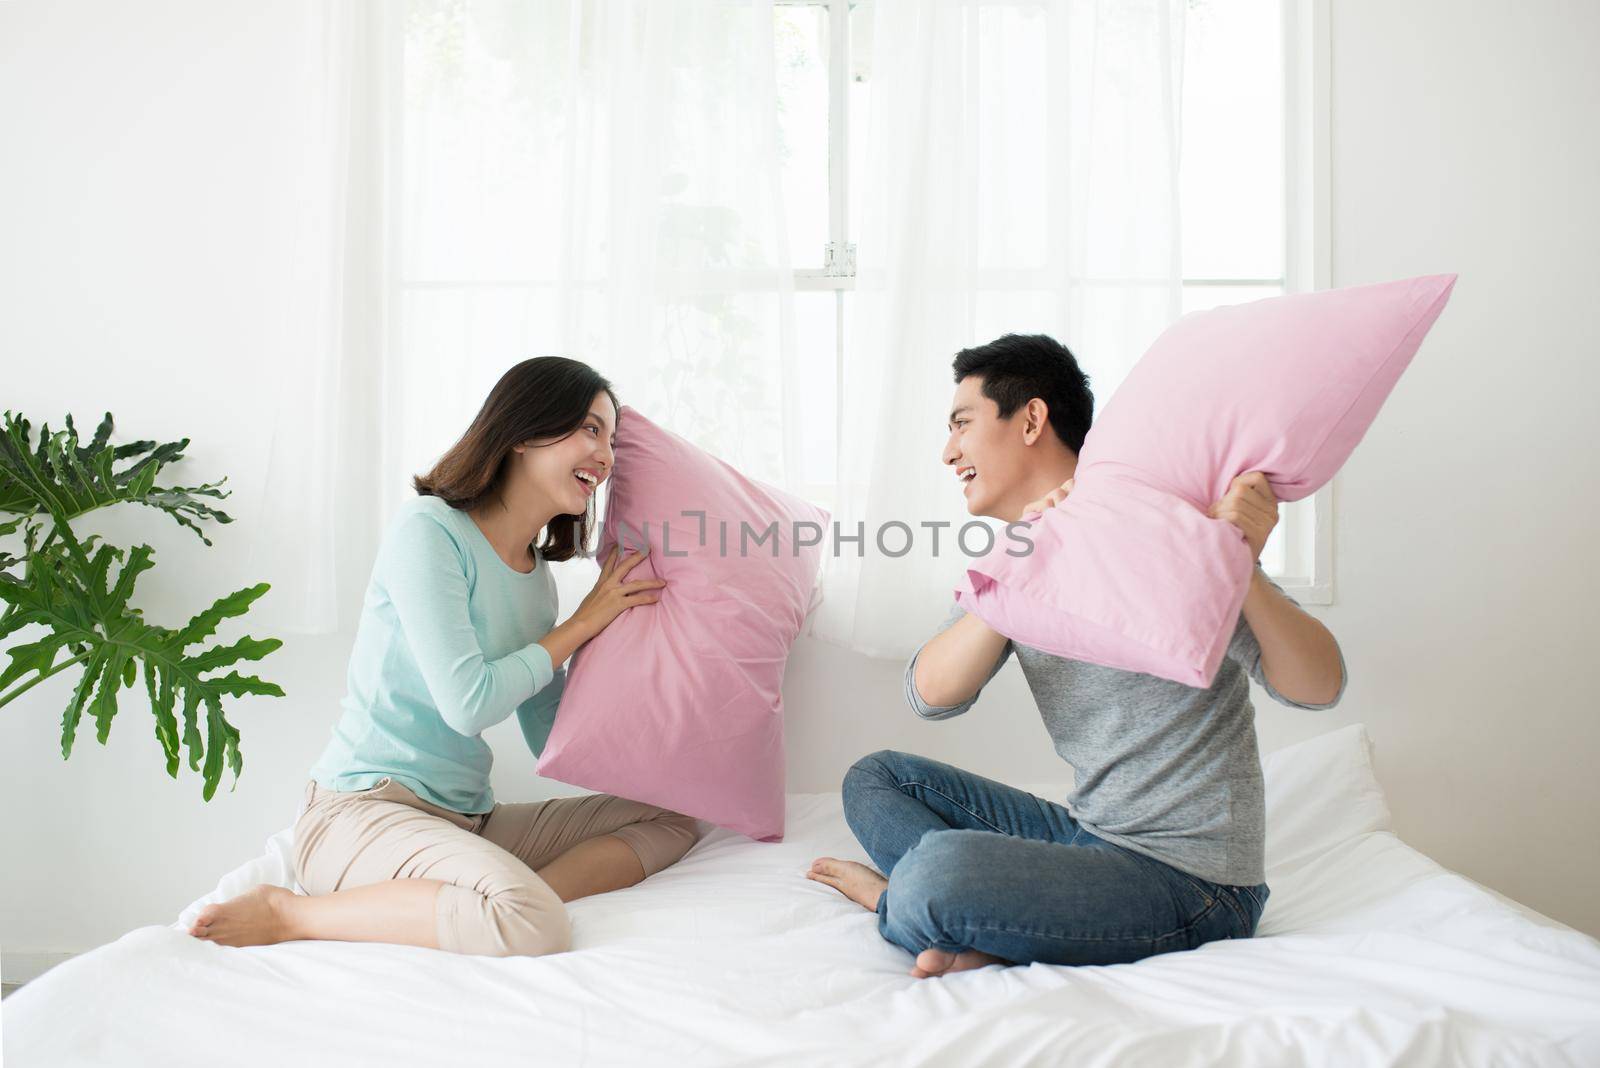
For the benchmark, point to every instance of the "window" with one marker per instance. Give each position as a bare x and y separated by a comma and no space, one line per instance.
484,113
1251,220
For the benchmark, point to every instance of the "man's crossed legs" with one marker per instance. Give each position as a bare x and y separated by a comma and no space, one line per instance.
983,873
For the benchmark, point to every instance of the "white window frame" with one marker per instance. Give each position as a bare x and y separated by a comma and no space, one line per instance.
1307,259
1308,524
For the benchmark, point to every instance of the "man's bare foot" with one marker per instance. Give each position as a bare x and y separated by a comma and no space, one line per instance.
254,918
855,881
931,962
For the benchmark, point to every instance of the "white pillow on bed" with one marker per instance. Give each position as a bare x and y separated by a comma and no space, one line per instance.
1321,792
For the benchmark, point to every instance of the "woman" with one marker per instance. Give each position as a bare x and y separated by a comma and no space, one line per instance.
400,839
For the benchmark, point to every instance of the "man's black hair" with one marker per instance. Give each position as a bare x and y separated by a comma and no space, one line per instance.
1019,367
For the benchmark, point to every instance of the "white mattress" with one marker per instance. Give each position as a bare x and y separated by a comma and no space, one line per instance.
1369,953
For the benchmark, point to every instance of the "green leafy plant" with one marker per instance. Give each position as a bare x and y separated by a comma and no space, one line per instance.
67,586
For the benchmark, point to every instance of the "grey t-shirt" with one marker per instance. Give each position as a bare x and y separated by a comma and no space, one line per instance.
1163,769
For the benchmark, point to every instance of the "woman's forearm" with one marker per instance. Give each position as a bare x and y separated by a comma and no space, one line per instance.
563,640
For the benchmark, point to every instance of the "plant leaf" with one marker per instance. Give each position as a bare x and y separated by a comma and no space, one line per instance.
104,705
204,624
243,649
81,592
65,478
237,685
191,732
37,656
80,694
166,725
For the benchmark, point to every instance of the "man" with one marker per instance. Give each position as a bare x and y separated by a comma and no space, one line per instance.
1159,847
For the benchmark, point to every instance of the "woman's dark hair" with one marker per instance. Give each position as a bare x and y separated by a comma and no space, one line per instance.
545,397
1019,367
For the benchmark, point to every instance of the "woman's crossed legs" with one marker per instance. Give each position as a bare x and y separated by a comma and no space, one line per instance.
383,865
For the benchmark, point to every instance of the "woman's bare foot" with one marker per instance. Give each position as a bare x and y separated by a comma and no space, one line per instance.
855,881
254,918
931,962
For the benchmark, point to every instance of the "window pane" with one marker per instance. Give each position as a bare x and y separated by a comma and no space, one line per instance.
816,344
480,84
1273,556
802,71
1233,152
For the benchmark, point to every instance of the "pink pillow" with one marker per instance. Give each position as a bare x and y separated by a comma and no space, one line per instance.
1129,572
680,703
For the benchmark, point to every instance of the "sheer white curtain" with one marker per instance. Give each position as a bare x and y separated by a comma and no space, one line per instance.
1023,178
594,180
311,485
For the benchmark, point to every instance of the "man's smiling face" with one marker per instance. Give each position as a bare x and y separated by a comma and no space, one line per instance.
987,453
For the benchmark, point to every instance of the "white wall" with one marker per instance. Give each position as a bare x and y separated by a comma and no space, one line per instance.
1463,140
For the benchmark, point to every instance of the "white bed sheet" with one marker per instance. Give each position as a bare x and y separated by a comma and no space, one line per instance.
1369,953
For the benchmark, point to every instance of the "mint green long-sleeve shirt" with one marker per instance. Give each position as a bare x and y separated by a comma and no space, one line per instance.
446,648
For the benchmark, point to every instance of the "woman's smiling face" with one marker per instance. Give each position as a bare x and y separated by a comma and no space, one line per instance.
568,470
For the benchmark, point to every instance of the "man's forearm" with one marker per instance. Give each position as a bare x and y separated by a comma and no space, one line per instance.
1298,654
955,663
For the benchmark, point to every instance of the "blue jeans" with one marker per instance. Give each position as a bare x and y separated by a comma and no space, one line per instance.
976,864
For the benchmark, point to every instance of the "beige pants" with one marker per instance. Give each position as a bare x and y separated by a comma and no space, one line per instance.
493,903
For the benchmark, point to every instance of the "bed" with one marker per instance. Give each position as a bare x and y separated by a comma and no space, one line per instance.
1369,953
